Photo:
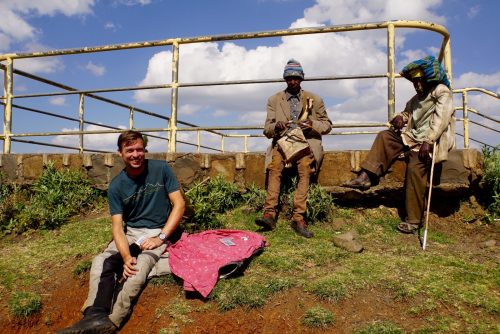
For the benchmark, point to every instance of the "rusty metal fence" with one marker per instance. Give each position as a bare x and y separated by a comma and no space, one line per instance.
173,124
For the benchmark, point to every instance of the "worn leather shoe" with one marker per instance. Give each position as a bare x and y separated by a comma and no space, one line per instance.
300,227
91,324
408,228
267,222
362,181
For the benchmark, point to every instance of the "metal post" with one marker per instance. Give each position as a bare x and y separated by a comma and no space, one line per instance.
198,141
246,144
391,87
172,138
465,104
447,60
222,144
131,118
81,121
7,114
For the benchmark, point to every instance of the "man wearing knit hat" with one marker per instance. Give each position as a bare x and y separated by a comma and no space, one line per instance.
429,120
293,109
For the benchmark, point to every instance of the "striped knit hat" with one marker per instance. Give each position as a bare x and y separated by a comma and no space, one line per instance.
293,69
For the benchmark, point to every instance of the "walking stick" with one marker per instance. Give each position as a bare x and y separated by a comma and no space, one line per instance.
429,197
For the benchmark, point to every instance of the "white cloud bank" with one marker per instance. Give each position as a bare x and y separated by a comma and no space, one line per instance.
321,55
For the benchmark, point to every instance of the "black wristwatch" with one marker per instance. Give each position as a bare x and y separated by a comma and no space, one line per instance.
162,236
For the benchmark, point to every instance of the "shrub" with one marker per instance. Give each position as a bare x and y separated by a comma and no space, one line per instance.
319,202
23,304
5,187
254,197
212,198
490,183
49,202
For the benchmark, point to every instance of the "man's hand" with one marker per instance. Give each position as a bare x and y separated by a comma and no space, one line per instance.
280,126
305,124
398,123
129,269
425,150
151,243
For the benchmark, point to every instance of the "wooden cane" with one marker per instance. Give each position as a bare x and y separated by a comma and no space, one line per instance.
429,197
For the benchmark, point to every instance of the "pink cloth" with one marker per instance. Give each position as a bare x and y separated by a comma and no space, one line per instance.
197,258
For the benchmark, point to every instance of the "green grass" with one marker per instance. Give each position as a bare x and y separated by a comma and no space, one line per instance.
318,317
23,261
23,304
380,327
441,278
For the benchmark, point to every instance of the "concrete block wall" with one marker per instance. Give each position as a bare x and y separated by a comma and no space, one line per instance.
240,168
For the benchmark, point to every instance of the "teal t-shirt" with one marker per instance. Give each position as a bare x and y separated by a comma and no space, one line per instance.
143,201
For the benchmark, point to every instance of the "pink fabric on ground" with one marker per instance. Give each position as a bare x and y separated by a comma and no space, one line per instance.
197,258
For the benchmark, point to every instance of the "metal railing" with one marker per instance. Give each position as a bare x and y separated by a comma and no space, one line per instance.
174,124
466,119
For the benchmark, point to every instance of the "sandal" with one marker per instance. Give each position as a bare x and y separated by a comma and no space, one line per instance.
407,227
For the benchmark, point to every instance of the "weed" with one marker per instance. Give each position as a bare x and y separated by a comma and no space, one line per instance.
49,202
23,304
380,327
318,317
254,197
82,267
179,309
164,280
173,328
212,198
329,289
490,183
319,204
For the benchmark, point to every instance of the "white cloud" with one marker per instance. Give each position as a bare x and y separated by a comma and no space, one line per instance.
96,70
473,11
111,26
57,100
220,113
362,11
40,65
321,55
14,26
97,141
471,79
133,2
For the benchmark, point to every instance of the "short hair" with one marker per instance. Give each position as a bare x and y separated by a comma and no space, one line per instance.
128,137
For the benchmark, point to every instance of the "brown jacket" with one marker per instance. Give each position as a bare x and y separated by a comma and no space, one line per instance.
278,109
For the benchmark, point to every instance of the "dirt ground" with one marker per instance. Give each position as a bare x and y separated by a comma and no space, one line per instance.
64,295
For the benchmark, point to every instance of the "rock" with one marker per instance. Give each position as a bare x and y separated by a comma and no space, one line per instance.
488,244
338,223
348,242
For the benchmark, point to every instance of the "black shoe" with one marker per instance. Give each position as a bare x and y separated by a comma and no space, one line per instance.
92,324
267,222
301,228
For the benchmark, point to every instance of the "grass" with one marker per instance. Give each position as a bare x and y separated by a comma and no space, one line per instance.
23,304
318,317
23,260
443,277
380,327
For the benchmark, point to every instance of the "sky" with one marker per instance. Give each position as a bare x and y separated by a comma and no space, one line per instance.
43,25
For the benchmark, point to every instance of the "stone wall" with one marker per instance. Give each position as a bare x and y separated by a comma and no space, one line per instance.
463,167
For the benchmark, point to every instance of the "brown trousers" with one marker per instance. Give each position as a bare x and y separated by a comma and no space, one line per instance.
387,146
305,168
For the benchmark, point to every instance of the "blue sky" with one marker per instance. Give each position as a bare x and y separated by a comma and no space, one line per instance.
29,26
